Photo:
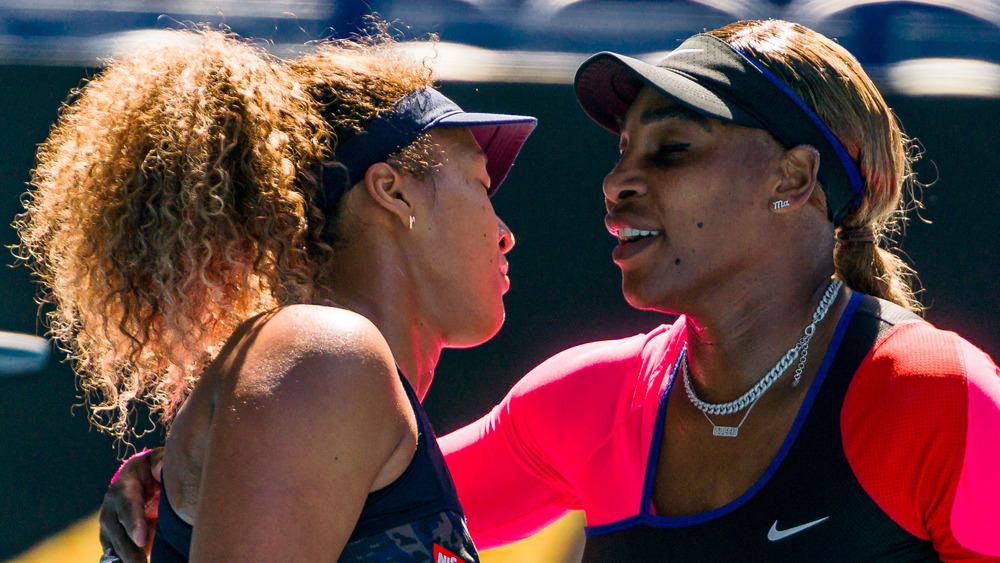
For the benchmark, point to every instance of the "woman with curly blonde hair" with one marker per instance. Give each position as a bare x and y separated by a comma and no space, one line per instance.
798,409
261,251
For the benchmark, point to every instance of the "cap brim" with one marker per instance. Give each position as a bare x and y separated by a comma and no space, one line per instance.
501,137
607,84
711,77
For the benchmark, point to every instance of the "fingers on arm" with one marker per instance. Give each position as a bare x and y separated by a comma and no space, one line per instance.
295,447
123,517
115,537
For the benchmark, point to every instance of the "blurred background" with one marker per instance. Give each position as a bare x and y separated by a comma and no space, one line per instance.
937,61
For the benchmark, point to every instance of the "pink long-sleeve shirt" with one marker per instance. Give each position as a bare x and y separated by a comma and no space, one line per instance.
920,426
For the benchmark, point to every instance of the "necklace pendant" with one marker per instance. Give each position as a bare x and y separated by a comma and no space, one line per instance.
726,431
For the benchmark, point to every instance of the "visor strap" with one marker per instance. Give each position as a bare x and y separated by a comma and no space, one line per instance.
846,161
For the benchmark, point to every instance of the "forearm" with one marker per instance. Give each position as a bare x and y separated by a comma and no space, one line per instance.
504,499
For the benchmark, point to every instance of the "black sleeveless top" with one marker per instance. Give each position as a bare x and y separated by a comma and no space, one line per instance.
824,513
416,518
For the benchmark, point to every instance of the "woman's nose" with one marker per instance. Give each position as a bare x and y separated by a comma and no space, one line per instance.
622,183
506,237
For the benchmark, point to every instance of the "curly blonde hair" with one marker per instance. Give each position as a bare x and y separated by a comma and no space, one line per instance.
833,83
175,198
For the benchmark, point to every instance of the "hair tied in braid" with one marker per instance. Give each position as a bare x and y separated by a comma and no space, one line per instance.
855,234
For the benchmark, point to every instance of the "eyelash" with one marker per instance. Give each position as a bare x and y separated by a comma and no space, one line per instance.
668,153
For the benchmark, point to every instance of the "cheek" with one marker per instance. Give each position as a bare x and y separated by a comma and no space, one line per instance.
474,232
483,220
737,188
489,245
699,199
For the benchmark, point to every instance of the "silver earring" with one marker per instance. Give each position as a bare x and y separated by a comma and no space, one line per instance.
412,219
781,204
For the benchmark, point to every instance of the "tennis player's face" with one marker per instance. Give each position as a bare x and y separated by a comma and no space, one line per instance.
686,201
463,244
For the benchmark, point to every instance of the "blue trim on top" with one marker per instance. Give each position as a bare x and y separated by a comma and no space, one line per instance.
171,529
630,522
645,505
655,521
845,159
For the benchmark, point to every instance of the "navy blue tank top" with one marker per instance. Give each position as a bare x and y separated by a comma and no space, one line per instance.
810,487
415,518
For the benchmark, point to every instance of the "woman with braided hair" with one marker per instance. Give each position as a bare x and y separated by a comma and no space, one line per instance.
273,256
799,408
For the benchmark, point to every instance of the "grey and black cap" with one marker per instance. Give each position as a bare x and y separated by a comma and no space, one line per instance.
709,76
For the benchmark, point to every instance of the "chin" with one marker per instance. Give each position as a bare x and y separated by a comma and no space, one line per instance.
638,303
484,328
635,292
495,323
639,297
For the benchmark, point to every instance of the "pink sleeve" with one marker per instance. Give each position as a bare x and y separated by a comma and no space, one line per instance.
921,427
506,497
517,468
975,515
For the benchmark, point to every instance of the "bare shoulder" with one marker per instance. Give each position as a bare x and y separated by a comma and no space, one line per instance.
331,331
309,416
303,372
317,360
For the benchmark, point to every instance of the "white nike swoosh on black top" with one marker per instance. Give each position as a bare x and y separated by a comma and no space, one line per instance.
774,534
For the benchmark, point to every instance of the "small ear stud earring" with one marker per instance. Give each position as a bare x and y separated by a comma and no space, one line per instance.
412,219
781,204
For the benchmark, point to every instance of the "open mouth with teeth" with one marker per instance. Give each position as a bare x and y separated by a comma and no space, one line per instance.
627,235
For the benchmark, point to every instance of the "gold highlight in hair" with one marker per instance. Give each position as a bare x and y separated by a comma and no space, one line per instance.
174,199
832,82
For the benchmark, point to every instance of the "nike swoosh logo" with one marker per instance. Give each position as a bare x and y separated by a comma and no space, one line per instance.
774,534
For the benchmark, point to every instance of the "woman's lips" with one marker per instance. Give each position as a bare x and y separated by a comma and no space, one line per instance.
504,268
627,249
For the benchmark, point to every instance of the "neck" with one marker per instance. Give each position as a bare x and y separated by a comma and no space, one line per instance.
732,348
372,280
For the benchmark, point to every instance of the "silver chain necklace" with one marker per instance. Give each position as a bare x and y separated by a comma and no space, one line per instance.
746,401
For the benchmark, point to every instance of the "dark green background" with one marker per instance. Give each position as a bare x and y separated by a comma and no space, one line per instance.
54,469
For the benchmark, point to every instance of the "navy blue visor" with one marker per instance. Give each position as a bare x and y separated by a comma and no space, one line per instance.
500,136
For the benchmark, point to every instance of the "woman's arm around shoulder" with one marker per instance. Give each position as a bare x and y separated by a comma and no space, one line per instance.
516,468
313,420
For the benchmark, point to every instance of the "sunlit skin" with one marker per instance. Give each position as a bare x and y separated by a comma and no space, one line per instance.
746,275
239,465
441,283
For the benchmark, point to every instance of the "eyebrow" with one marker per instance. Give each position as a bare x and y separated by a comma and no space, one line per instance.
675,112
